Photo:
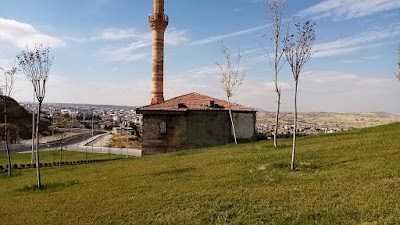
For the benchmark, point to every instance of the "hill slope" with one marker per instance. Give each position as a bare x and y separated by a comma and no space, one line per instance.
343,178
20,118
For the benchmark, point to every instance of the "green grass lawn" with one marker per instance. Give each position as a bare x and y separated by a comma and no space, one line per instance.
343,178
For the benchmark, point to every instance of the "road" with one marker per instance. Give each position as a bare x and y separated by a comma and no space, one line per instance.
16,148
78,143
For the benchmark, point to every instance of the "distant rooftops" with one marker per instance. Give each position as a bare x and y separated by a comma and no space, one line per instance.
194,101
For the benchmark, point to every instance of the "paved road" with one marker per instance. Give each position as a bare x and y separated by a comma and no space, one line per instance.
16,148
78,143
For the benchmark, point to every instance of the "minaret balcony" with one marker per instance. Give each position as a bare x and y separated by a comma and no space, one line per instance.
158,17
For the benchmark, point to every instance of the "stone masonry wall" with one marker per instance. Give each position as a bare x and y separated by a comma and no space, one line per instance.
208,128
244,124
174,139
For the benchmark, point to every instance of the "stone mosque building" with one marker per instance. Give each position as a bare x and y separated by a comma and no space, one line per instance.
189,121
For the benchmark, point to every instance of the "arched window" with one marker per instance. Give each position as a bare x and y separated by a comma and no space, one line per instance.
163,127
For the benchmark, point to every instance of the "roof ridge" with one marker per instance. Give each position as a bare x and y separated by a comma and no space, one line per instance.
194,101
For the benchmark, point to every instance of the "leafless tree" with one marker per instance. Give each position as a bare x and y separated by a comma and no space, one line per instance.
7,90
298,51
35,65
279,34
231,78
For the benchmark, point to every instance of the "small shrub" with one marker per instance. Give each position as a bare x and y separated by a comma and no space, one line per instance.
22,166
15,166
45,164
28,165
1,167
40,165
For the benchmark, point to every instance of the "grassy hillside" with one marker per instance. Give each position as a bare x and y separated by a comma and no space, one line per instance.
344,178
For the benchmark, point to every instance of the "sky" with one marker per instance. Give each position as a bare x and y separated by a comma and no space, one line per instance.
102,51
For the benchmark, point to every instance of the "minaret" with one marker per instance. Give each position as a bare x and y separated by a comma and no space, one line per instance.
158,23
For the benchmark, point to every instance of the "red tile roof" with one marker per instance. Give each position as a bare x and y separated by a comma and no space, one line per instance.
194,101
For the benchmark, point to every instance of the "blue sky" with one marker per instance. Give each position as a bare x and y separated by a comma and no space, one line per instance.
102,51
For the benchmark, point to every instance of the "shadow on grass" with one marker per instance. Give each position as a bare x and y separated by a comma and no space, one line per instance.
48,187
15,173
341,162
174,172
307,167
283,145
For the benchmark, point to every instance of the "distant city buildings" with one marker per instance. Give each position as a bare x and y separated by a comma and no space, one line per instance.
80,115
286,130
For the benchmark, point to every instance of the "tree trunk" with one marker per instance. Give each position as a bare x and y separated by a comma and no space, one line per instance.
6,136
278,92
292,166
230,116
277,119
37,147
59,165
33,131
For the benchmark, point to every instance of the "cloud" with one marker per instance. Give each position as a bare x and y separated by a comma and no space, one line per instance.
357,41
346,9
126,54
118,34
138,41
203,80
22,34
343,92
217,38
174,36
327,77
282,85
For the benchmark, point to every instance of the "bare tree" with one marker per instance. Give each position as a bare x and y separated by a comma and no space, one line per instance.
231,78
298,52
35,65
7,90
278,36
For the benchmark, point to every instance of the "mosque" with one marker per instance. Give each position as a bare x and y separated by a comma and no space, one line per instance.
189,121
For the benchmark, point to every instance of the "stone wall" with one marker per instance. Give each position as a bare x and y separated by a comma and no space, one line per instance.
194,129
244,124
175,137
208,128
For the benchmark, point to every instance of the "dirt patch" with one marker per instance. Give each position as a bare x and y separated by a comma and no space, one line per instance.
124,141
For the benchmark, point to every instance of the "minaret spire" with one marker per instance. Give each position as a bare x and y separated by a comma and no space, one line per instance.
158,23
